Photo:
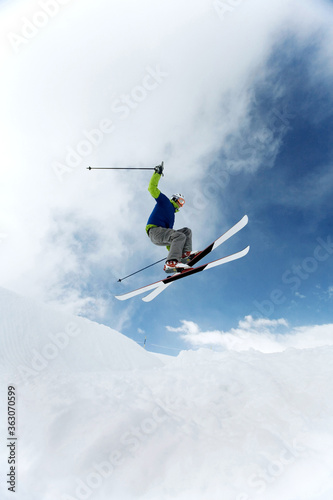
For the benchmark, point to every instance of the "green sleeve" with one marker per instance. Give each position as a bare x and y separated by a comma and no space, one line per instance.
152,188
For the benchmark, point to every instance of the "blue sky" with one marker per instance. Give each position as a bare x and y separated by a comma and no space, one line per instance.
289,205
239,106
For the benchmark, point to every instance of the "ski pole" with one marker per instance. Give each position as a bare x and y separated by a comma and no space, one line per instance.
136,272
119,168
124,168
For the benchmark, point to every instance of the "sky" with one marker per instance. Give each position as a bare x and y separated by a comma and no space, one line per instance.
234,97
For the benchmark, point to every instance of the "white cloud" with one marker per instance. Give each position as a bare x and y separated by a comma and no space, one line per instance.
72,75
261,334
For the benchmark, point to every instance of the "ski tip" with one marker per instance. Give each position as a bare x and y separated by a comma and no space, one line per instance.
121,297
147,298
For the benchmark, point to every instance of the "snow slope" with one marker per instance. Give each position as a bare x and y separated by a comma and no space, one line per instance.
35,339
99,418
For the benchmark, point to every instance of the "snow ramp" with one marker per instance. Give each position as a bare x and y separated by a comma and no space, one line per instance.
98,418
36,339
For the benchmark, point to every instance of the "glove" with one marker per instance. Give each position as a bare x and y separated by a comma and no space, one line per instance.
159,169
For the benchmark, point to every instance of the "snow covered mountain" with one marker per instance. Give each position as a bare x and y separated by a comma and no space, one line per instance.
98,417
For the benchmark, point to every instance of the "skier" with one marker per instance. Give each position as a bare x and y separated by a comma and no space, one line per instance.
160,226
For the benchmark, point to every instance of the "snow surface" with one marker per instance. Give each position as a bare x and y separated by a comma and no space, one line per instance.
100,418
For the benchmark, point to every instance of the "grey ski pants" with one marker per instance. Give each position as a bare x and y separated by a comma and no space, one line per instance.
179,240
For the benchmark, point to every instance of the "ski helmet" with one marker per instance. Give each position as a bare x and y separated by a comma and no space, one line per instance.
179,199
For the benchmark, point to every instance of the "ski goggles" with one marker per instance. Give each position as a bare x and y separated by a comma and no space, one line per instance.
180,201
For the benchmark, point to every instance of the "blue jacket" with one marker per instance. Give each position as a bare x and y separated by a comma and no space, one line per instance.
163,214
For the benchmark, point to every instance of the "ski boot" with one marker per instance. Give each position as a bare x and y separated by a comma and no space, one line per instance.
188,256
173,266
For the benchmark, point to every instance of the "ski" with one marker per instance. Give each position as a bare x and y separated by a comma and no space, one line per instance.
159,286
225,236
159,289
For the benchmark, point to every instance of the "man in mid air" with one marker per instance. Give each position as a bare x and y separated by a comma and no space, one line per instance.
160,226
